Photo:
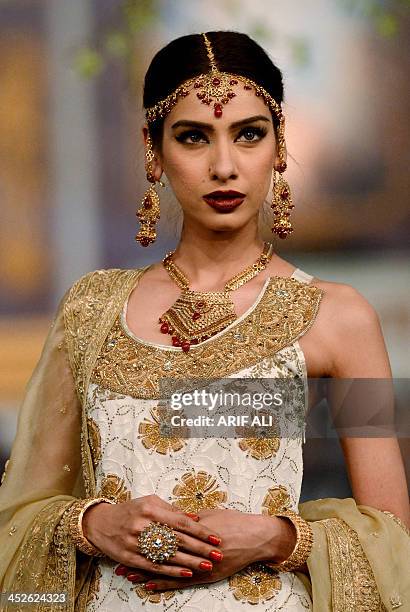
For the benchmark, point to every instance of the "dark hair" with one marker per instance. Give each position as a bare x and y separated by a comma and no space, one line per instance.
186,57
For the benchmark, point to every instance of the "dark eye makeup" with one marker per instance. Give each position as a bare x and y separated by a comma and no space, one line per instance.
251,134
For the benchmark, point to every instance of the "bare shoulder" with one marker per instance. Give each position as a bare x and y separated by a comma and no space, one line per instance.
349,327
344,305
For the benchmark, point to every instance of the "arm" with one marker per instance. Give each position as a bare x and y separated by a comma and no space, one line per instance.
374,465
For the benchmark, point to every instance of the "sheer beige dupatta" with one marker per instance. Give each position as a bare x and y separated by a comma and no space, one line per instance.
50,464
351,568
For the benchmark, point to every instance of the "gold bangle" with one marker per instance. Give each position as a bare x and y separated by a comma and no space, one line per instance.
303,546
75,528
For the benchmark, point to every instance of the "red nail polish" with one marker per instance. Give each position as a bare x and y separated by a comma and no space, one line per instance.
132,577
120,570
193,516
215,555
206,566
212,539
151,585
186,573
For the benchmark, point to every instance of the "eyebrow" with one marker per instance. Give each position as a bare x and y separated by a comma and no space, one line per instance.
199,124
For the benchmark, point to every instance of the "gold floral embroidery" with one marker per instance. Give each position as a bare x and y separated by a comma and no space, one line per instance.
113,487
89,312
265,440
198,490
152,433
276,500
94,439
47,559
150,597
286,310
354,588
255,584
94,586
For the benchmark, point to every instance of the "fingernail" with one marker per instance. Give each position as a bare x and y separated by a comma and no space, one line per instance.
215,555
186,573
120,570
132,577
214,540
151,585
194,517
206,566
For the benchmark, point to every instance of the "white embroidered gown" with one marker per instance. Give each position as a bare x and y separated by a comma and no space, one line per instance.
132,459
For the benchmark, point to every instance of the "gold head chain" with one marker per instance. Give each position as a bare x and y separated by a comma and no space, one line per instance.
215,87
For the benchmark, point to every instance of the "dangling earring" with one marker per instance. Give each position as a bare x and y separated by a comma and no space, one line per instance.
149,213
281,203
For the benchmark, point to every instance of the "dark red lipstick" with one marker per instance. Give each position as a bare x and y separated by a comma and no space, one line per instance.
224,201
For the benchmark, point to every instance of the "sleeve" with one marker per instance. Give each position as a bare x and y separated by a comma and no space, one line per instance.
43,476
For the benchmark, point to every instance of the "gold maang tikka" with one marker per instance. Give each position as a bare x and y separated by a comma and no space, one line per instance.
149,212
215,88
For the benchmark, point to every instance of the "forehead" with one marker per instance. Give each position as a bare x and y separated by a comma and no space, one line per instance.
244,104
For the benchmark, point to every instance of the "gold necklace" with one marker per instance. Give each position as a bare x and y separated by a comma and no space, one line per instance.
198,315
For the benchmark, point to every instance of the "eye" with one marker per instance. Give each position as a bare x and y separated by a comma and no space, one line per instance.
252,134
191,137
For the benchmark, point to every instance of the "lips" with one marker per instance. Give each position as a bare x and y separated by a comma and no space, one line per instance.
224,201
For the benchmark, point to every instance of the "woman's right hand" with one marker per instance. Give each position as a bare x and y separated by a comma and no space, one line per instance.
114,529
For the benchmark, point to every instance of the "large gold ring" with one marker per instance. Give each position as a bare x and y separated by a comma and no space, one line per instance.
158,542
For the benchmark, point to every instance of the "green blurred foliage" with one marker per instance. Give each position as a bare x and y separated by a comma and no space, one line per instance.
138,16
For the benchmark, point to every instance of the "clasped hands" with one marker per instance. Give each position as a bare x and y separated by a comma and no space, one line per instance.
213,544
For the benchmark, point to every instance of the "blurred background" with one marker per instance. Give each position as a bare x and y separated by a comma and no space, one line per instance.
72,165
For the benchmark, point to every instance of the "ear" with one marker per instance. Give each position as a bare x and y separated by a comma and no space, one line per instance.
156,162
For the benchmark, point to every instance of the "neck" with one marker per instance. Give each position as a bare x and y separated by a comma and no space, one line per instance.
210,259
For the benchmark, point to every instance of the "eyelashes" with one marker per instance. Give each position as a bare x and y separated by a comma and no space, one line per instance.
198,137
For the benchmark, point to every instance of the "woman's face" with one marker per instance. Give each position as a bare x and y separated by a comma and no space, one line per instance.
202,154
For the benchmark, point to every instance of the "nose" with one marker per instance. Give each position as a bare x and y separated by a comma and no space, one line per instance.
222,165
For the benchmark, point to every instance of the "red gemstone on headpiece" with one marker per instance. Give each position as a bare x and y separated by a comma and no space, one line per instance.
233,82
164,328
197,85
218,110
144,242
147,203
196,316
284,193
200,95
185,345
231,94
200,304
247,87
176,341
282,166
216,81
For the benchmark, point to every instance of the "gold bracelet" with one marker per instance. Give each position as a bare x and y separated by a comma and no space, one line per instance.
303,546
74,522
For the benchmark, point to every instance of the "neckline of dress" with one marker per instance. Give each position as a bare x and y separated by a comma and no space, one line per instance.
178,349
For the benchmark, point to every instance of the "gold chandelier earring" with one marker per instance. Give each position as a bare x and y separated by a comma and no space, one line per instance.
149,212
281,203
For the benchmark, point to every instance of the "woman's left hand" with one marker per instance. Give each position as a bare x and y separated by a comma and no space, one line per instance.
246,538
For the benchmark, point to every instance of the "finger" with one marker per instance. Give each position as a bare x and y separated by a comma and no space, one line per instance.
184,524
140,564
194,546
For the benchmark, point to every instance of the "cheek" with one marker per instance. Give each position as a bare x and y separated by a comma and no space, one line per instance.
183,169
